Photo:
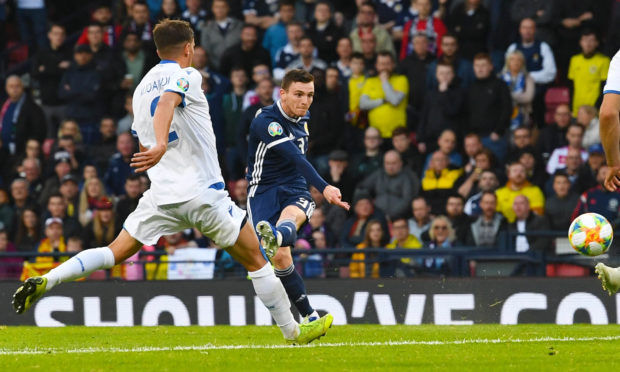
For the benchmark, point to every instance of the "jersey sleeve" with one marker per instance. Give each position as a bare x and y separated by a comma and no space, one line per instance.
613,76
180,83
269,131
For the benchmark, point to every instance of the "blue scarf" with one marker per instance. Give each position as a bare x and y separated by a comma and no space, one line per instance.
516,85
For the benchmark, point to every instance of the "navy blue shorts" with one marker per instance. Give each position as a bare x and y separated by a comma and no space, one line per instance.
268,205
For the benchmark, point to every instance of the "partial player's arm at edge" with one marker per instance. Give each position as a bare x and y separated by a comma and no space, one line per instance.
162,119
609,131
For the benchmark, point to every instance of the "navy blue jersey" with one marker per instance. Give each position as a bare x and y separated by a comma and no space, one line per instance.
276,151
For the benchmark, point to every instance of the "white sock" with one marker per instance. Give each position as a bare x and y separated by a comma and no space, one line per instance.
271,292
80,265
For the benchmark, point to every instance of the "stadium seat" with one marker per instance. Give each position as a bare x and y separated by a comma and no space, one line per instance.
554,97
566,270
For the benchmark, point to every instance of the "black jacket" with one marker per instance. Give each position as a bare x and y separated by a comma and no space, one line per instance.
47,73
326,123
490,106
471,31
416,70
30,124
534,222
551,137
81,86
441,110
325,41
234,56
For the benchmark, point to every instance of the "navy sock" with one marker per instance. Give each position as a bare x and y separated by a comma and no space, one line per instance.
288,230
295,289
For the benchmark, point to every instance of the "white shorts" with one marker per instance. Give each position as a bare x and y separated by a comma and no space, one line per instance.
213,213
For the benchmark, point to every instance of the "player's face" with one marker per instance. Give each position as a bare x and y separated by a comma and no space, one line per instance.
298,98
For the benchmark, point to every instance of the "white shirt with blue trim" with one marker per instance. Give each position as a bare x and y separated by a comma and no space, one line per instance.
190,164
613,76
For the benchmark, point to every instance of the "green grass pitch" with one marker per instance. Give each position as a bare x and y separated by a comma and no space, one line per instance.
345,348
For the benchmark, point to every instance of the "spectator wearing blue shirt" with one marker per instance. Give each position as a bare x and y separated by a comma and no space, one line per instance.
289,52
389,11
275,36
196,17
404,16
118,166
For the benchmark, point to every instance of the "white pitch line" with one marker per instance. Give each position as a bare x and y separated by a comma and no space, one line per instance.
207,347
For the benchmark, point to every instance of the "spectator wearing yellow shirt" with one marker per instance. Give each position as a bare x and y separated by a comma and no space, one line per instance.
588,70
385,97
440,181
518,185
53,242
356,83
402,239
373,238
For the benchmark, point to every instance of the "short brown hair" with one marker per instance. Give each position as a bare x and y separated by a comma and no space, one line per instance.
296,76
484,56
169,34
400,131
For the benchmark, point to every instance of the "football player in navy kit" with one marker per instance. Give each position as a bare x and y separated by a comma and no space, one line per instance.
279,202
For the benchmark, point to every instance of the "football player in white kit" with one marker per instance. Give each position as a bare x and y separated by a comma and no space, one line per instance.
610,138
177,149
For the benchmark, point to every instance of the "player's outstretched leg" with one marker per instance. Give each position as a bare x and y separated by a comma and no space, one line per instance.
78,266
30,291
609,276
271,291
278,240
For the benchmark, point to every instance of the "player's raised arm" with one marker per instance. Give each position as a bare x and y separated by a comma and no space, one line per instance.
290,151
161,124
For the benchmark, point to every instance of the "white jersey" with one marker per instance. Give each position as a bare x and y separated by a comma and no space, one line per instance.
190,164
613,76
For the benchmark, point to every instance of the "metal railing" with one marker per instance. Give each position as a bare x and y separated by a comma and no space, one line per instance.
462,261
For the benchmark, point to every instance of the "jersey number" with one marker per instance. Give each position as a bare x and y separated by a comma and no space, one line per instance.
302,145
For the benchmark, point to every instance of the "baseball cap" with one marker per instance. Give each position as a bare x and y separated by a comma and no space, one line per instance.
52,220
62,156
338,155
69,178
596,149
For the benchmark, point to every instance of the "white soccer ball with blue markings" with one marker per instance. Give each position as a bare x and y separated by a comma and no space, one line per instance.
590,234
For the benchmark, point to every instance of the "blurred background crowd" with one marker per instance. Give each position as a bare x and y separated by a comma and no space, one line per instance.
445,123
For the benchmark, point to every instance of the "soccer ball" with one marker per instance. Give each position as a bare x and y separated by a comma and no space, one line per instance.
590,234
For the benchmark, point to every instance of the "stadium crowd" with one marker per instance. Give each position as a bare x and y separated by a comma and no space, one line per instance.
443,122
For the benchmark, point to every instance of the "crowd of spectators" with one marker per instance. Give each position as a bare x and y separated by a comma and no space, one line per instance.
435,118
